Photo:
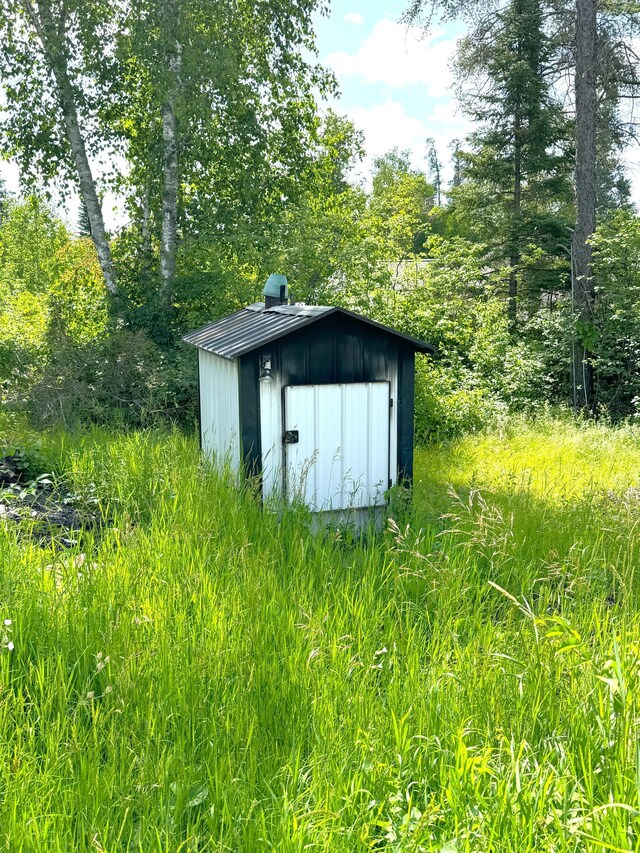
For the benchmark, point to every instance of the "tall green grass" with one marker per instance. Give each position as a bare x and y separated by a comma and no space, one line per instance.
203,676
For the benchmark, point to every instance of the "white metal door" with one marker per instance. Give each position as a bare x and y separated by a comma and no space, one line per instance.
337,444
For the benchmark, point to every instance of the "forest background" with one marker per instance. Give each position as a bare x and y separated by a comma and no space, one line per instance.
523,271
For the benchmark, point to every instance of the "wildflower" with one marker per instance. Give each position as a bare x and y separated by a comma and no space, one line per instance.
90,694
7,622
10,646
108,688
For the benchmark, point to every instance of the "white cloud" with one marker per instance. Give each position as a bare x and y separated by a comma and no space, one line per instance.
387,125
354,18
397,56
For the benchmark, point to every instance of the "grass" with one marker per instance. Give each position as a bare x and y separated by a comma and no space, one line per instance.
204,677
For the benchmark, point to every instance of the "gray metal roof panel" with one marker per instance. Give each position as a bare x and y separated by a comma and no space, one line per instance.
254,326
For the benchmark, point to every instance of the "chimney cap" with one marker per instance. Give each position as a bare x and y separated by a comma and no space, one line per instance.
274,285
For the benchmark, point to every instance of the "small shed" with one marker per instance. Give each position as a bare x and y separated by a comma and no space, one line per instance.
317,402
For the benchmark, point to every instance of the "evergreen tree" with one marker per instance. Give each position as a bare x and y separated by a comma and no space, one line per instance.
515,190
84,225
5,198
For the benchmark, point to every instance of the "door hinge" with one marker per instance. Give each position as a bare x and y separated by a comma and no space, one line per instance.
390,402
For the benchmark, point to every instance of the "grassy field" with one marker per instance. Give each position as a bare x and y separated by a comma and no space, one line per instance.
204,677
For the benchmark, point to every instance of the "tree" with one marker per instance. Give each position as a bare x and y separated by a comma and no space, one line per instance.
84,224
595,47
223,97
583,285
51,54
516,189
435,168
5,199
399,206
322,241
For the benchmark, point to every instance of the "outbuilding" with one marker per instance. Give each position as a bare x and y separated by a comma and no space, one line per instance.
316,402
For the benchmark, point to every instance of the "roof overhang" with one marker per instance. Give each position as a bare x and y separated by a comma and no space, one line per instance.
255,326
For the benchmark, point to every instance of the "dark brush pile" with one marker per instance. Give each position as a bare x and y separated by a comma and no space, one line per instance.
43,508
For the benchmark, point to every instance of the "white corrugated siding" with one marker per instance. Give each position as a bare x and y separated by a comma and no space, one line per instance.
220,409
341,459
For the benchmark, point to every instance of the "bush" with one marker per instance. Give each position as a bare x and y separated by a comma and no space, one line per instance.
448,404
122,378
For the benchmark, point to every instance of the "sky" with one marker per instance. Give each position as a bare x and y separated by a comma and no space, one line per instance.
395,82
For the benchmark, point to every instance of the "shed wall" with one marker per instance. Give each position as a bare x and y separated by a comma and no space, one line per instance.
219,409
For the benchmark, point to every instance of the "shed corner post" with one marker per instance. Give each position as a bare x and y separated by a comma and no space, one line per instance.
199,400
406,411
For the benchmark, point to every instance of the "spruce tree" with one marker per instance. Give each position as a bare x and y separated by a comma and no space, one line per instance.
84,225
5,198
515,191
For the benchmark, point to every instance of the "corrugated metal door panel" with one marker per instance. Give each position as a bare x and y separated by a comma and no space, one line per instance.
341,457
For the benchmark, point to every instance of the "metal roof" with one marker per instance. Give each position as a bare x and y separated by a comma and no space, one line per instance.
254,326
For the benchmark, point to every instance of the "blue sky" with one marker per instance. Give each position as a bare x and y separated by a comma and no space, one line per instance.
395,82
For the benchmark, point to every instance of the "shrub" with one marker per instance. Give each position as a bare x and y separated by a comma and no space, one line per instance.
122,378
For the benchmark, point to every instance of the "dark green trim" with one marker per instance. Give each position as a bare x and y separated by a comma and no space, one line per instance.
406,409
199,402
250,415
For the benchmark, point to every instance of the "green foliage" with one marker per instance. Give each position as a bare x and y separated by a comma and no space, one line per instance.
400,204
121,378
244,100
31,238
204,676
617,345
515,193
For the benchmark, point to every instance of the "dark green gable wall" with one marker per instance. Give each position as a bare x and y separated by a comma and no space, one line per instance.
334,349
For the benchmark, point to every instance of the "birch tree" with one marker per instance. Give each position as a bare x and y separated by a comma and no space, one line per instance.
225,114
49,61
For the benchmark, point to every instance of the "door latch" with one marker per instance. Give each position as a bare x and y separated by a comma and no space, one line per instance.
291,436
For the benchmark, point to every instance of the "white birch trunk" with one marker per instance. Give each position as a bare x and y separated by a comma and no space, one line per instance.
52,39
169,237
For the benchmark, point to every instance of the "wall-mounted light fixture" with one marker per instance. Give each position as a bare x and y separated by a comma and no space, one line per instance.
265,367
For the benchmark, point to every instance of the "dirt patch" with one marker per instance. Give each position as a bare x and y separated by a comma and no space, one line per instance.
43,509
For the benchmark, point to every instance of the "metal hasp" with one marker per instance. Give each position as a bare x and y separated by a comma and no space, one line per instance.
315,402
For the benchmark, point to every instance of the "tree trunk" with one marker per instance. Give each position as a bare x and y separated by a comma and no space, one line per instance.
87,186
514,260
583,285
169,239
53,42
